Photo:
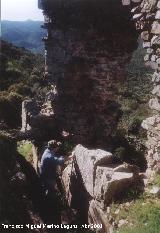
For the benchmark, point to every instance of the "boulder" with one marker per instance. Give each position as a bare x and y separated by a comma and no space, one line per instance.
95,180
113,180
155,191
156,77
156,90
103,179
126,2
154,104
148,123
155,28
87,161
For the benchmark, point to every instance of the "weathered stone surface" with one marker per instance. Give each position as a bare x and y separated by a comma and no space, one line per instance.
152,64
80,70
148,5
158,61
126,2
154,40
92,66
81,67
145,35
111,181
149,51
158,4
154,104
127,168
101,178
155,28
157,15
146,45
156,77
153,58
137,16
155,191
87,161
149,123
29,109
66,179
146,57
156,90
136,1
97,216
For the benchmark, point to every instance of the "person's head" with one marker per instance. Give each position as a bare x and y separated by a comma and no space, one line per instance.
53,145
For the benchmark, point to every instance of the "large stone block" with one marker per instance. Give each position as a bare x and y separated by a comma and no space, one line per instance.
155,28
148,5
156,77
156,90
111,181
149,123
126,2
154,104
87,161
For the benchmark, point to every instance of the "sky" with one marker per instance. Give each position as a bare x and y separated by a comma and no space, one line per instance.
20,10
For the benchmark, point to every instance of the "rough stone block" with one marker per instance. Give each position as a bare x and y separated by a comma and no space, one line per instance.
137,16
136,1
126,2
157,15
148,123
145,35
111,181
155,41
87,161
147,57
158,5
155,28
156,77
97,216
154,104
146,45
156,90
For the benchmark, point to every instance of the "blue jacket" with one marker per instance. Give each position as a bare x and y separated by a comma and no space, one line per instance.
49,163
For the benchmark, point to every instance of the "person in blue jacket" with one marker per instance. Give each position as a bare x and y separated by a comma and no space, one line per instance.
49,162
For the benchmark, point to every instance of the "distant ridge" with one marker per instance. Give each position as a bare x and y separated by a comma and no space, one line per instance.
27,34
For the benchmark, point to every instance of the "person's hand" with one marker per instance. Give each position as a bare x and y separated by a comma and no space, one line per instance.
70,157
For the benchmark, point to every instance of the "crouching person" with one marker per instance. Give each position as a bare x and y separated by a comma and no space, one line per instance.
49,162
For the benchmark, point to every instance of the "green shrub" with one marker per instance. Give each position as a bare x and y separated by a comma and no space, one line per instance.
24,148
135,125
120,153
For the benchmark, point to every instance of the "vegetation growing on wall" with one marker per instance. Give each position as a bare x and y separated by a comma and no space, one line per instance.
134,95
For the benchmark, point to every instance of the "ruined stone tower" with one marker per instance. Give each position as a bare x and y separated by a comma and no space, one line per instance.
87,46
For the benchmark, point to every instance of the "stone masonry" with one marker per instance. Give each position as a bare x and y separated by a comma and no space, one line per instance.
87,47
86,54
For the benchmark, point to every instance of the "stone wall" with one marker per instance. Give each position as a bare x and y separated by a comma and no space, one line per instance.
86,54
87,47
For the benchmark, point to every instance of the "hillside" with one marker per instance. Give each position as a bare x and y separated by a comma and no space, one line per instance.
27,34
21,77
